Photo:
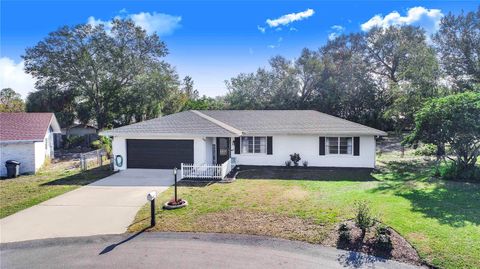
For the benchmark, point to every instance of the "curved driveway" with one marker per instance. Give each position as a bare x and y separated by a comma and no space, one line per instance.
182,250
107,206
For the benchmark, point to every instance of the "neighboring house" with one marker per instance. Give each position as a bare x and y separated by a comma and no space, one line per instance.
246,137
27,138
89,132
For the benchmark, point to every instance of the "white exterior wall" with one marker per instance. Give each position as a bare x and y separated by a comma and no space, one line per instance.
23,152
40,154
308,148
209,146
283,145
200,149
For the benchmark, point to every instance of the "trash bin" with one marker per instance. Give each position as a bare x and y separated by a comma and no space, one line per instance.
13,168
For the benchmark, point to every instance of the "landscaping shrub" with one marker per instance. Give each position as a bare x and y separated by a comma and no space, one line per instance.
451,171
343,234
288,163
96,144
382,237
364,218
305,163
74,141
295,158
426,150
106,144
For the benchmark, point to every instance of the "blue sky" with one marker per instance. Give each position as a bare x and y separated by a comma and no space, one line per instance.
212,41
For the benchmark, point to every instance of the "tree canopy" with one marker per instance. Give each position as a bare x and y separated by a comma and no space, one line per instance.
116,76
11,101
452,120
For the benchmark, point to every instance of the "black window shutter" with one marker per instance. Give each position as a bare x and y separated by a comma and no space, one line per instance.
269,145
322,145
356,146
237,145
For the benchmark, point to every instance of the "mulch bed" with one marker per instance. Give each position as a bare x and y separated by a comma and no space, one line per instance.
401,250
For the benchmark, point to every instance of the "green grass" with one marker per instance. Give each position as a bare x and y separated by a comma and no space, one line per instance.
440,219
28,190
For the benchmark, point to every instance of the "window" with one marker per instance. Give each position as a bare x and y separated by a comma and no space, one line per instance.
253,144
339,145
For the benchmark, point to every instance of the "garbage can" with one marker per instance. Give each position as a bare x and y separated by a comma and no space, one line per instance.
13,168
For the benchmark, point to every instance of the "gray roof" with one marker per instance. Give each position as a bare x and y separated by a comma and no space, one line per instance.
246,122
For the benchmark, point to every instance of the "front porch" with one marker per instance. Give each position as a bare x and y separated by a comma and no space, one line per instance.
206,171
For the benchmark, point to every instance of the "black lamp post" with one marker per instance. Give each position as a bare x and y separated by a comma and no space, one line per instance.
175,175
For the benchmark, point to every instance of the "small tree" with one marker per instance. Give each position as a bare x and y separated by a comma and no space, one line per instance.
363,219
453,120
11,101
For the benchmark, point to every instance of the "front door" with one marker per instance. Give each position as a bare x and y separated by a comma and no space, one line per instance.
223,149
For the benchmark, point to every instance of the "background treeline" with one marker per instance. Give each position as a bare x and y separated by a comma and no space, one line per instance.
381,78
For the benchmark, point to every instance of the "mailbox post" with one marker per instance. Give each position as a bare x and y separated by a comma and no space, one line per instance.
151,197
175,175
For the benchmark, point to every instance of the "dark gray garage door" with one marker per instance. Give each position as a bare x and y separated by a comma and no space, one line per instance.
158,154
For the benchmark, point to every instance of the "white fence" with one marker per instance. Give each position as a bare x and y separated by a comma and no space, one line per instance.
215,171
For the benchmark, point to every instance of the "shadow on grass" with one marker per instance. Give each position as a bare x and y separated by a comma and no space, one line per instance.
82,178
305,173
451,203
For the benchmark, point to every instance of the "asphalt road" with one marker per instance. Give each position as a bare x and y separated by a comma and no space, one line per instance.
181,250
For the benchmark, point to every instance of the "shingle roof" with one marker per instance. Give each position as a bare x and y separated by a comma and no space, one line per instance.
26,126
178,124
289,122
246,122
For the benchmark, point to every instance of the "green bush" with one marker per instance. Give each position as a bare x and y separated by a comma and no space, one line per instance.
451,171
106,144
382,237
364,218
343,234
96,144
74,141
426,150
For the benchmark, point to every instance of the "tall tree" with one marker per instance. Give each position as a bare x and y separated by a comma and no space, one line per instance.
188,88
48,98
11,101
458,43
103,66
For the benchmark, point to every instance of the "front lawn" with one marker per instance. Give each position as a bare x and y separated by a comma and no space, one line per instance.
440,219
28,190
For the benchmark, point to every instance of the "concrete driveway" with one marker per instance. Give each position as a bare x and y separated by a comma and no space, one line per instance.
106,206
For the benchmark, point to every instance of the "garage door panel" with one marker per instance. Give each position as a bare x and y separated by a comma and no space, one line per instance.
158,154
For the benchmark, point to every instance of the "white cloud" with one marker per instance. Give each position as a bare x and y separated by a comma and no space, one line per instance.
429,19
293,29
13,76
160,23
261,29
336,30
289,18
272,46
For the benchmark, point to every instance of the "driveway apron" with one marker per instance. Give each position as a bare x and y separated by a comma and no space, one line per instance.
107,206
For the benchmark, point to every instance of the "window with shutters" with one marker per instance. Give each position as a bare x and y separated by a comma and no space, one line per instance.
339,145
253,144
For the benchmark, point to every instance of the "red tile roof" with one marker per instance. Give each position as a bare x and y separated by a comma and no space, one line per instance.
24,126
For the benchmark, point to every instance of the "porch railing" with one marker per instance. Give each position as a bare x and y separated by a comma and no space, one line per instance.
214,171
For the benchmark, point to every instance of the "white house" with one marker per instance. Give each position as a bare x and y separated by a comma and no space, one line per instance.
27,138
244,137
